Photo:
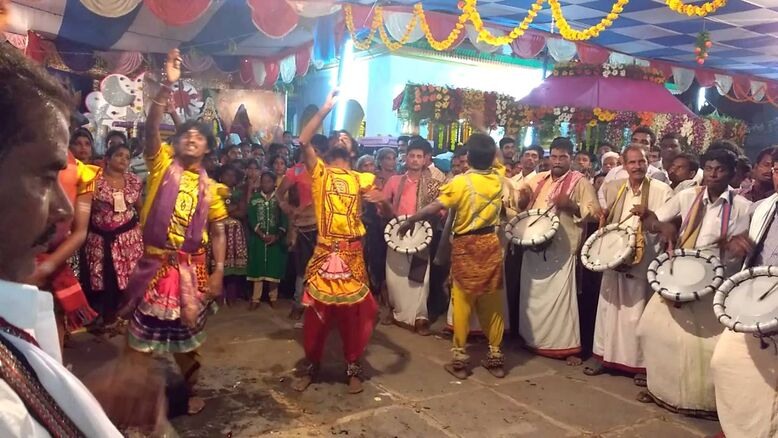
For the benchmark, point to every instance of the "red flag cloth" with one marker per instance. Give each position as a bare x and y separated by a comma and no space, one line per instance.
274,18
528,45
178,12
589,54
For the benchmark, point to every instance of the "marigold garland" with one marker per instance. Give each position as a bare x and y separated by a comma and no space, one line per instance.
470,13
592,32
692,10
484,35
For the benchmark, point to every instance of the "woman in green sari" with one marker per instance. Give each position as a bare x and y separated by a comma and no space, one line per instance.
267,239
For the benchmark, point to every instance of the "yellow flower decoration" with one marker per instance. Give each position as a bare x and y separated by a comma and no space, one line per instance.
581,35
692,10
470,11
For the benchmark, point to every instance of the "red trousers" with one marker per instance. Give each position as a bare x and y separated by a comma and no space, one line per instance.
355,323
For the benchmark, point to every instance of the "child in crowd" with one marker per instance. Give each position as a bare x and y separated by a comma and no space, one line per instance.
236,256
267,243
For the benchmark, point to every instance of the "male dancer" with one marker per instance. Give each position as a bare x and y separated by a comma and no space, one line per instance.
337,290
170,291
303,219
476,254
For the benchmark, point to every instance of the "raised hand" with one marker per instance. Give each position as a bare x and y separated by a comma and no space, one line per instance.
332,99
173,65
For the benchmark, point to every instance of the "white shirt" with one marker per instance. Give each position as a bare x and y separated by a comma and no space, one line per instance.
33,311
516,179
619,172
710,227
683,185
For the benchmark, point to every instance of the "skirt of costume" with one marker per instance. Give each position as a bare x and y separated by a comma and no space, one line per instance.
266,262
156,325
236,254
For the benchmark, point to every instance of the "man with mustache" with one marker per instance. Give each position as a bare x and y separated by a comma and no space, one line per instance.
624,291
548,305
38,395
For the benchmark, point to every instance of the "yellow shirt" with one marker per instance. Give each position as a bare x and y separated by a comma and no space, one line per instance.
186,201
337,198
476,197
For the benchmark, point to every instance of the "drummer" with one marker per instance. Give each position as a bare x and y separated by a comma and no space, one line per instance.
548,304
710,216
408,277
745,367
624,292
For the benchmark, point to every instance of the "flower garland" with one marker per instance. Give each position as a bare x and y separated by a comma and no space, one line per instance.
592,32
609,70
470,13
469,10
691,10
392,45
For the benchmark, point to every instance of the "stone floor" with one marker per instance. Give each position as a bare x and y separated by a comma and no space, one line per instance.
249,358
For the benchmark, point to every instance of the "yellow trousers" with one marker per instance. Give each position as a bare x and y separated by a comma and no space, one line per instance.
489,308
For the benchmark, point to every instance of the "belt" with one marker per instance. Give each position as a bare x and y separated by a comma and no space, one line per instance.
343,245
174,256
307,228
480,231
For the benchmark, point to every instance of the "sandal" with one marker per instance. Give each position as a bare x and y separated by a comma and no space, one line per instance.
457,369
595,370
644,397
640,380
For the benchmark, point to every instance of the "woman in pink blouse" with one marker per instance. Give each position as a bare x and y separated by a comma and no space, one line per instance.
114,243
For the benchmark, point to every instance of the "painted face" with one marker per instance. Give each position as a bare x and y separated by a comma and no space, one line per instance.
120,160
32,198
81,148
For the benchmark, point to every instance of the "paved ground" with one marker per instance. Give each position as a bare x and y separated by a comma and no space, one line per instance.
250,356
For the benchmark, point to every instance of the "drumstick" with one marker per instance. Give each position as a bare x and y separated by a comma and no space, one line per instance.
769,291
541,215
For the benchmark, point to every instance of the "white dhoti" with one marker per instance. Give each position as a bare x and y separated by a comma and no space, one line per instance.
621,304
548,303
746,381
678,344
407,297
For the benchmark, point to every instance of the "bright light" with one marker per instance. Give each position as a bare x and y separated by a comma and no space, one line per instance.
528,136
346,62
701,98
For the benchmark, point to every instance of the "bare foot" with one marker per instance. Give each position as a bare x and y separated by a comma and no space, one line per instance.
459,373
302,383
574,361
354,385
640,380
196,405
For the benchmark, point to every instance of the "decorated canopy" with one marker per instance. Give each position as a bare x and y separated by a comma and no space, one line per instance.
611,87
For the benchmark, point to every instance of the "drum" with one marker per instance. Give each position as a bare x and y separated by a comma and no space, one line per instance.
608,248
686,275
532,227
747,302
418,239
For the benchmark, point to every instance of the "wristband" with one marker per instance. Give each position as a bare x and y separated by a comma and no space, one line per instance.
220,266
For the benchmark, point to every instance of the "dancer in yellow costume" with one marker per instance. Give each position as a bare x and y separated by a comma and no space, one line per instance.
476,253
